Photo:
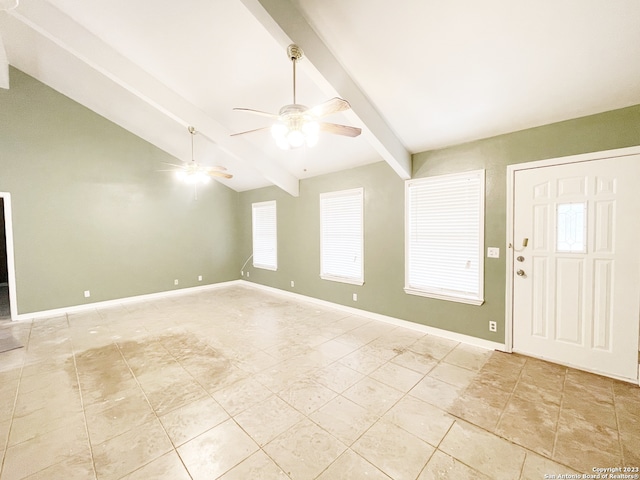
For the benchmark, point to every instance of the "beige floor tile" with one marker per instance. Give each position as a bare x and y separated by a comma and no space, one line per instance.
477,410
373,395
337,377
241,395
44,421
436,392
69,468
166,398
425,421
351,466
457,376
444,467
305,450
396,376
467,356
189,421
393,450
344,419
122,416
417,362
536,467
268,419
306,395
216,451
258,466
530,424
131,450
589,408
485,452
45,450
168,466
362,362
433,346
581,445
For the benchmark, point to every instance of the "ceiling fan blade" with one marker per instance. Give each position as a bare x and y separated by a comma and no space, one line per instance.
336,129
257,112
174,164
334,105
214,168
220,174
250,131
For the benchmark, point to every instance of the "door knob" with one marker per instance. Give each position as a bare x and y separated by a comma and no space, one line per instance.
520,273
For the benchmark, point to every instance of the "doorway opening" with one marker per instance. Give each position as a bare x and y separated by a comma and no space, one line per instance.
7,273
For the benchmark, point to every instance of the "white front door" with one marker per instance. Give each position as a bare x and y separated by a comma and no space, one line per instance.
576,259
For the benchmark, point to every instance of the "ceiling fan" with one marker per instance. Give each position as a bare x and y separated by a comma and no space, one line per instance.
192,172
297,125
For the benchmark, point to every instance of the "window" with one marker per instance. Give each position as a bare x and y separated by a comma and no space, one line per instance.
265,235
445,237
341,230
571,228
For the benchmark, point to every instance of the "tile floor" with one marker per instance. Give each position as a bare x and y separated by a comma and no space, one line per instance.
239,383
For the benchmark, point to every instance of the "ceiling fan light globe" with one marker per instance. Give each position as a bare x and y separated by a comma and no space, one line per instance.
181,175
279,130
296,138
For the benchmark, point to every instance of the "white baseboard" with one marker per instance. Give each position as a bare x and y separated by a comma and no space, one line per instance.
110,303
458,337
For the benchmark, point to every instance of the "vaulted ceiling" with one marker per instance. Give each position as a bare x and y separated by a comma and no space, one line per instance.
419,74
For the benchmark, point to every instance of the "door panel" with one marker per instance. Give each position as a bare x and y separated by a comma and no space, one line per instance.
576,294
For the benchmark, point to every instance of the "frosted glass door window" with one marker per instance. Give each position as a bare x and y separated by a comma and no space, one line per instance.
571,228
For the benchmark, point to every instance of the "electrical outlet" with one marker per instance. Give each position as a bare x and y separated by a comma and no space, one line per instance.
293,284
493,326
355,297
87,294
242,273
175,282
199,278
493,252
247,274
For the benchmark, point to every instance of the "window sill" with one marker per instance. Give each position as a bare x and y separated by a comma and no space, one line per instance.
444,296
266,267
352,281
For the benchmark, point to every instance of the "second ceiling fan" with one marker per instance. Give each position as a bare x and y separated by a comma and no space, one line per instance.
297,125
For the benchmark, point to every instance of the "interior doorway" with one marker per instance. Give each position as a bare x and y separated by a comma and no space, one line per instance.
7,273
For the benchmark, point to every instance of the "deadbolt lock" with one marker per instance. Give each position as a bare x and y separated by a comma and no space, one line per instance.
520,258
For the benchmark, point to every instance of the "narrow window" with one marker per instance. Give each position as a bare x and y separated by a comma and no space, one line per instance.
444,226
571,228
341,236
265,235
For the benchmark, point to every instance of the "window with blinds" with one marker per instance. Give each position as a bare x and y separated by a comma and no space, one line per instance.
445,237
265,235
341,236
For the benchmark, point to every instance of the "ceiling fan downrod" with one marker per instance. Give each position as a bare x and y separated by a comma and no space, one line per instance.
295,53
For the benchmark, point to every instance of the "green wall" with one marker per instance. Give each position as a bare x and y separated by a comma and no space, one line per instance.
92,212
298,221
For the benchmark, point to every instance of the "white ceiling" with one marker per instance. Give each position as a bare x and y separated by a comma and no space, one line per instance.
419,74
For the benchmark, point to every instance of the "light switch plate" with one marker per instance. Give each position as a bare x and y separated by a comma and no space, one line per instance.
493,252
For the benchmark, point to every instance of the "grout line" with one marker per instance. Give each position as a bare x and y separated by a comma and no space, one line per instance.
555,436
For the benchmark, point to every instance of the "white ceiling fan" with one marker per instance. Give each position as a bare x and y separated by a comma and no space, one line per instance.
194,172
297,125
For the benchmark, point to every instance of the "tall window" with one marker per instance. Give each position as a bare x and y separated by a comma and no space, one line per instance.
341,236
445,237
265,235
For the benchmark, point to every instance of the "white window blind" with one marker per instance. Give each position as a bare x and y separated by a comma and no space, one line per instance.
265,235
341,236
445,237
